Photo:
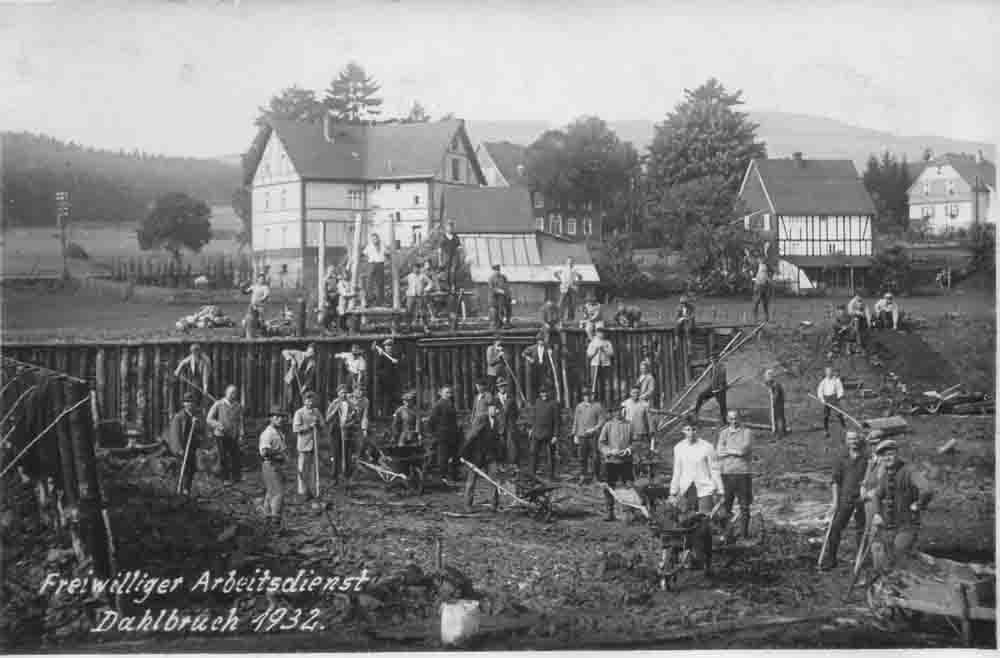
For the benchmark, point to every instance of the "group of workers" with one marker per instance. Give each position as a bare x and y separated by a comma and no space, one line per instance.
853,321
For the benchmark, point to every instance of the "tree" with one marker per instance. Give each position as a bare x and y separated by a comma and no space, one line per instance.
177,221
418,114
705,135
352,95
887,181
892,270
293,103
241,206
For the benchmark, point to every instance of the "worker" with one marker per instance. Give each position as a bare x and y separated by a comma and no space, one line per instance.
627,317
540,360
443,426
651,357
762,290
271,448
360,430
569,279
184,438
355,364
637,414
615,444
300,367
259,293
592,320
887,312
482,450
684,320
843,327
481,401
416,285
696,479
549,316
331,299
588,419
646,384
194,371
900,494
733,451
599,354
500,298
830,391
449,250
509,414
389,359
848,476
545,420
341,418
374,253
307,422
405,429
716,388
225,420
345,300
861,318
496,362
776,395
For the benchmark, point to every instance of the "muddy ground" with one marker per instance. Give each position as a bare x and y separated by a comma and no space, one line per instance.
577,581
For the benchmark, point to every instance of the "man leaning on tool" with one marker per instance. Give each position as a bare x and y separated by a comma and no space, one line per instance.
848,475
615,444
225,419
184,439
733,451
482,449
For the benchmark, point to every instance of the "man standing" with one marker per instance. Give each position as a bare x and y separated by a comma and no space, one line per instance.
684,320
592,320
777,397
451,247
225,419
389,358
733,451
615,444
861,318
830,391
762,291
695,479
482,400
259,294
496,359
331,298
359,399
342,418
500,297
848,476
184,439
538,358
901,493
646,384
299,373
588,418
637,414
544,418
405,429
306,424
569,281
375,254
887,312
354,363
443,426
509,413
194,371
416,285
271,447
481,449
627,317
599,353
549,316
716,388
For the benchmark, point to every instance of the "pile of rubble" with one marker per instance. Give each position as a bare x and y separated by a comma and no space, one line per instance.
207,317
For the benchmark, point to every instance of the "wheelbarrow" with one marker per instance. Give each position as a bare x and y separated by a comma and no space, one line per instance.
400,466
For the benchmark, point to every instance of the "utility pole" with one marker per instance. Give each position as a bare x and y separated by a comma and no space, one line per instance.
62,218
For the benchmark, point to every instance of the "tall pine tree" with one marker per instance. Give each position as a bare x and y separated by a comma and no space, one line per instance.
352,96
887,181
293,103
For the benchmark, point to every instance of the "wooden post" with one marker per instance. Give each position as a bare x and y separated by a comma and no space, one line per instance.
393,266
321,263
141,397
356,251
962,602
100,378
123,368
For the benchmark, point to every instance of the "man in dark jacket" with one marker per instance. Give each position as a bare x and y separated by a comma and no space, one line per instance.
777,397
544,418
482,448
901,492
716,388
184,439
509,414
443,426
848,475
540,361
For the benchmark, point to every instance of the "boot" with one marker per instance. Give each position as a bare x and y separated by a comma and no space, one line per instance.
610,505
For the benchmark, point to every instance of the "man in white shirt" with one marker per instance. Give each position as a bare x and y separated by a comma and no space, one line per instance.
225,420
762,291
416,284
599,353
887,312
375,253
259,294
830,391
194,371
307,422
355,363
861,318
696,477
569,280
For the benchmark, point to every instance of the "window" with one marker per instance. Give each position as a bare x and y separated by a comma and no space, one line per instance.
539,200
927,189
953,210
355,196
267,200
417,237
416,200
556,224
540,223
397,186
456,169
399,216
284,198
950,186
588,226
927,211
284,164
571,225
756,222
284,237
590,206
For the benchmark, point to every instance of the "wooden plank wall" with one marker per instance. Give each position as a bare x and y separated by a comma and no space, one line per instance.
134,382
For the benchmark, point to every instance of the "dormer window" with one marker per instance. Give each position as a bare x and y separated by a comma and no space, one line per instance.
950,186
927,189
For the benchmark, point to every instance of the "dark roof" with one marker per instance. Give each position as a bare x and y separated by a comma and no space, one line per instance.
970,169
507,156
488,209
829,261
914,169
411,150
814,187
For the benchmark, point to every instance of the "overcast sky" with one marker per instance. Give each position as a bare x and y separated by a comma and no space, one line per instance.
186,78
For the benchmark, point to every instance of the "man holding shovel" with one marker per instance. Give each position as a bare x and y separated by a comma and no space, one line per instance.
306,423
184,438
599,353
225,419
848,475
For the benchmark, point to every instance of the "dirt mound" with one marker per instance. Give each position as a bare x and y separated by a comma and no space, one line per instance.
912,360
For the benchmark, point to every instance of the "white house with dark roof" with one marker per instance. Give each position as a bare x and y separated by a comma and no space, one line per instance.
817,217
954,191
312,181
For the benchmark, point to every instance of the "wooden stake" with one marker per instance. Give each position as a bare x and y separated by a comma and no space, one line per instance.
42,435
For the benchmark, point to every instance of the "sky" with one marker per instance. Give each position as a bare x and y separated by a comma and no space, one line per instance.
186,78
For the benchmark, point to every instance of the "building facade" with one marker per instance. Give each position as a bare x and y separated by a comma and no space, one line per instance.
954,192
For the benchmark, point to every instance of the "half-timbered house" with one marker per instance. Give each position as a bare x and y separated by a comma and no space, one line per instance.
816,216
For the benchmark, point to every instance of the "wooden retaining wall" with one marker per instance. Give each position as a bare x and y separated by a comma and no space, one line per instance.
134,383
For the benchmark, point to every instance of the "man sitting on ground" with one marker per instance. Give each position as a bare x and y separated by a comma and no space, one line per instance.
887,312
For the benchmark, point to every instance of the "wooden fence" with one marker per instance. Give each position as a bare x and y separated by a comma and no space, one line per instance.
134,382
222,271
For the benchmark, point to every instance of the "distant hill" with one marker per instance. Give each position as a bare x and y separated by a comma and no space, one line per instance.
104,186
784,133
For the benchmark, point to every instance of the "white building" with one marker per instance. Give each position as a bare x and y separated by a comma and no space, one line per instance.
954,191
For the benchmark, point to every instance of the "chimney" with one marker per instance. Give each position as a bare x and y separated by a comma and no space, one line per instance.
979,156
520,168
797,156
328,127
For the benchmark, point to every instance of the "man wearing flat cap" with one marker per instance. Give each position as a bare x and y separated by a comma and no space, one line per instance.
405,429
900,494
307,423
776,394
343,418
848,476
184,438
388,358
544,420
272,448
499,298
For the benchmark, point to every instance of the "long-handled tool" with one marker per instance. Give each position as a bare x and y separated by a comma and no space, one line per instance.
826,542
195,387
513,378
555,375
837,409
41,434
866,546
316,460
499,487
187,454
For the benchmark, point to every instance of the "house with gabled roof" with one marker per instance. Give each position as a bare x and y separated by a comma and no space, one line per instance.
497,227
954,191
312,183
816,217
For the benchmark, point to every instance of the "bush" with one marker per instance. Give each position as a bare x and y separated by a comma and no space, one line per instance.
891,271
983,243
74,250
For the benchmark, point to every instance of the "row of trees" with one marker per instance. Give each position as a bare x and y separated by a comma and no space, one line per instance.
104,185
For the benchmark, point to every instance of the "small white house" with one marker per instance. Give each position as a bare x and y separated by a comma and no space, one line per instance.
955,191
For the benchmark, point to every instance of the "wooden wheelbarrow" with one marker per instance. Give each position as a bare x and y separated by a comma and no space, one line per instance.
537,498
